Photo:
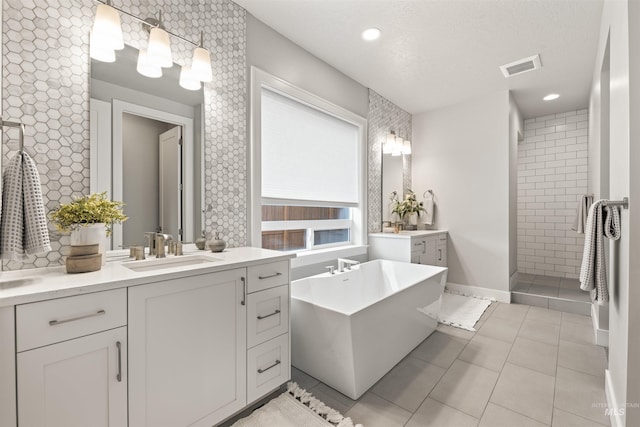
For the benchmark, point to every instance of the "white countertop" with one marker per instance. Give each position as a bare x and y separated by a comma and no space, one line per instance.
38,284
407,234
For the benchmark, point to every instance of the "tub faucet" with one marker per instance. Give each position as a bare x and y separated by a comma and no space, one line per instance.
342,263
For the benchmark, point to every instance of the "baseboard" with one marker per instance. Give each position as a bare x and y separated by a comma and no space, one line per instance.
601,335
502,296
616,412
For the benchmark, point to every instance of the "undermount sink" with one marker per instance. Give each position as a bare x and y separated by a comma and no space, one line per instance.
169,262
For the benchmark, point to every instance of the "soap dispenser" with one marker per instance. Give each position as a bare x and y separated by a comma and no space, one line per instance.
216,244
201,241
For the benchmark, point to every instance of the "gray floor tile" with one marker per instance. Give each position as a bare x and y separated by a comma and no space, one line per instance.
538,314
540,331
534,355
439,349
513,312
574,294
544,290
501,329
455,332
528,299
577,318
497,416
408,383
566,419
566,283
434,414
373,411
521,287
578,307
590,359
466,387
547,281
525,391
525,277
332,398
305,381
487,352
582,394
577,332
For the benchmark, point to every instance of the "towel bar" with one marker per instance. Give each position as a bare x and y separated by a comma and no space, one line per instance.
624,203
15,125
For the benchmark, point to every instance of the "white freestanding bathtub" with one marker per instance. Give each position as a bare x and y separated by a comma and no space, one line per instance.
349,329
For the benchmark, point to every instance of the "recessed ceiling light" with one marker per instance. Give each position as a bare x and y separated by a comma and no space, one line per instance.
371,34
551,97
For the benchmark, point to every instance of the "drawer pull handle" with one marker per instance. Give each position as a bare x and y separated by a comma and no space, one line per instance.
119,347
262,371
269,315
439,254
270,276
244,291
73,319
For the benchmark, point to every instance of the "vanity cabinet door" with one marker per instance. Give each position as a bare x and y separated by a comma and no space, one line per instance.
187,353
424,251
76,383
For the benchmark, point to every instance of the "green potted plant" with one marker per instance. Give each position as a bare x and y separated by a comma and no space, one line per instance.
408,209
89,219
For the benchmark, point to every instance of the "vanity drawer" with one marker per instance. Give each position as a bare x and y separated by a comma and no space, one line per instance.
267,314
267,276
48,322
267,367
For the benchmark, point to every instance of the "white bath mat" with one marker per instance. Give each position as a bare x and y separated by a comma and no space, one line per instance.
296,408
461,311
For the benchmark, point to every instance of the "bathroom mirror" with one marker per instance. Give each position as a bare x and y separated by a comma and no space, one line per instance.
146,145
392,180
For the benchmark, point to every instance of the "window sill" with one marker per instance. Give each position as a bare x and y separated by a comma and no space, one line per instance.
329,254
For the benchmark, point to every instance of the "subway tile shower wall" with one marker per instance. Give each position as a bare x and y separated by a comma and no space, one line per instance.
552,176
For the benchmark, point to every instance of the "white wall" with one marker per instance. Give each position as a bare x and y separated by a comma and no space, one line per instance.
462,153
552,177
277,55
516,132
623,375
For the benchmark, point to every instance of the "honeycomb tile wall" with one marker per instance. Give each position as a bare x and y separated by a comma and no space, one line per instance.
384,116
46,85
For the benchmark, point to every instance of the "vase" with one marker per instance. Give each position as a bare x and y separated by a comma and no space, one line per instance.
411,221
90,234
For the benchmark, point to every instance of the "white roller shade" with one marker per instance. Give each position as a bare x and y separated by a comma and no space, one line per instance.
307,154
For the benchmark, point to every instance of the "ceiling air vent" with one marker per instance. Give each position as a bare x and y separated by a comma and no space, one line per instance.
521,66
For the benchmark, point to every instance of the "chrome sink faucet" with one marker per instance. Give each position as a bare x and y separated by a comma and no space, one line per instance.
342,263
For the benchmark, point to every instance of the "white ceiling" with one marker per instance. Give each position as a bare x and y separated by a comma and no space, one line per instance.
437,53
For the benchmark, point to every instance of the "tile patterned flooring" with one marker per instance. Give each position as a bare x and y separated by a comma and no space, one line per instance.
525,366
556,293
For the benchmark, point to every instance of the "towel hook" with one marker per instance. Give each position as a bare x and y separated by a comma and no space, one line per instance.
21,127
424,195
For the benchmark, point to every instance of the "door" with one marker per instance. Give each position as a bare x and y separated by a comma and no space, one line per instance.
187,355
76,383
170,179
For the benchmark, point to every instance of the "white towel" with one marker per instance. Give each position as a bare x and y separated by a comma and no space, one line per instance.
593,274
427,215
584,204
23,222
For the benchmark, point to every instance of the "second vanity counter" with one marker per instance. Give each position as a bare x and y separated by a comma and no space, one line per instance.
31,285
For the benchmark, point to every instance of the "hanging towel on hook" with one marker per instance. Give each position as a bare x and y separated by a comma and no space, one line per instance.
580,222
427,215
602,221
23,221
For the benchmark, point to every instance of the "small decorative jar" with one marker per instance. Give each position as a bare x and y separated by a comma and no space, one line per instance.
216,244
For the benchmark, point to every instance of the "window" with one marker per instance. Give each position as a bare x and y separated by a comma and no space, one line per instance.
307,157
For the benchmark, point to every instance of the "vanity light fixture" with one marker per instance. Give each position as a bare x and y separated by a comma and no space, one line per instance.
551,97
145,67
106,33
106,37
188,80
396,145
406,147
387,146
